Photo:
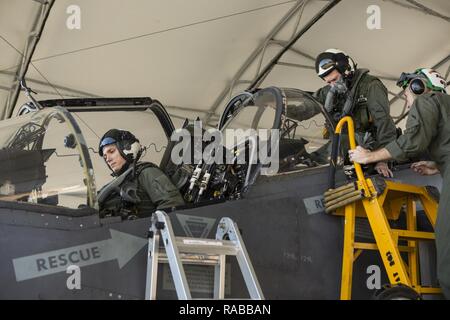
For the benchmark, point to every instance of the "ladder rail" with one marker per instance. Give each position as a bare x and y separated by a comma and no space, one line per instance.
411,225
152,267
348,252
387,246
386,238
243,259
176,267
219,278
213,252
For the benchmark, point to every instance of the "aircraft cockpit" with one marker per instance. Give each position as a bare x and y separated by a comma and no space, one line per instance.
49,156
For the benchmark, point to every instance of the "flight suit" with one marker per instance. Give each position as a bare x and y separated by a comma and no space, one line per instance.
428,129
150,187
370,112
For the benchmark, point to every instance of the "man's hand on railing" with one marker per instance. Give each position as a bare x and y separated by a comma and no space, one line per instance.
359,155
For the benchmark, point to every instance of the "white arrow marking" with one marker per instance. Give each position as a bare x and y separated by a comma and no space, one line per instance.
121,246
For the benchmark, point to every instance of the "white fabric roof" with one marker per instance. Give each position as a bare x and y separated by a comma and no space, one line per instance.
184,53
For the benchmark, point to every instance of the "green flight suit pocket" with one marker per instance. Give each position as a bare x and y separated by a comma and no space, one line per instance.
164,188
412,125
160,185
378,114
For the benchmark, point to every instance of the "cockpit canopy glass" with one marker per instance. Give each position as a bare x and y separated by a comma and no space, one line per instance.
257,113
311,124
41,161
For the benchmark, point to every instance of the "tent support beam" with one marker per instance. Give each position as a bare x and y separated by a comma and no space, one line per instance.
419,7
33,39
295,65
447,73
286,18
263,74
78,93
301,53
397,95
282,43
427,10
297,8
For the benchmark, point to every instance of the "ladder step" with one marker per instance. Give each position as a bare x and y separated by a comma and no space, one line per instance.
414,234
206,246
428,290
196,259
374,246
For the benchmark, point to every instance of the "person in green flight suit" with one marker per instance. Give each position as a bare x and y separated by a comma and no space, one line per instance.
427,129
353,92
139,188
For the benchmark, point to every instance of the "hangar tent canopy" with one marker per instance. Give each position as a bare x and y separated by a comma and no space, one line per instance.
192,55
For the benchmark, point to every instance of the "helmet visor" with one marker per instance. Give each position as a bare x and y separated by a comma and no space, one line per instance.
326,64
106,141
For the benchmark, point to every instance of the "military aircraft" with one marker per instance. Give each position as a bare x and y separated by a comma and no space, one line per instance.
49,218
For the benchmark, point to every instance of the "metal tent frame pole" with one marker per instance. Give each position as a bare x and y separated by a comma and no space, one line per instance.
263,74
33,40
259,50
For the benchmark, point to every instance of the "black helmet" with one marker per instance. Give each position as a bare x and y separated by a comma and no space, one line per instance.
128,145
333,59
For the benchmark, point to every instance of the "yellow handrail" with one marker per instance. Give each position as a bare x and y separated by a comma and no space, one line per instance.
352,141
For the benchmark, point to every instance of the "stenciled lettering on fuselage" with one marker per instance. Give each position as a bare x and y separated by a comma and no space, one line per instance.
121,247
314,204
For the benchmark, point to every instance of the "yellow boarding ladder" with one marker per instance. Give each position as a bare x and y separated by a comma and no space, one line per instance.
380,202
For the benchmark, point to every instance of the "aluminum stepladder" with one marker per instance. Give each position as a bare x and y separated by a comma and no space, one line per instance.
198,251
365,198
